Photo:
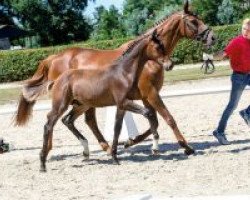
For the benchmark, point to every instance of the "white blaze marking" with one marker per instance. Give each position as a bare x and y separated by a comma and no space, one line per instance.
85,146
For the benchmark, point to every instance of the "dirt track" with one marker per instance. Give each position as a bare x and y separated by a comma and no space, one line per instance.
214,170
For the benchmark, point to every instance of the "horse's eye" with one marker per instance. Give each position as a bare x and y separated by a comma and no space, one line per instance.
194,22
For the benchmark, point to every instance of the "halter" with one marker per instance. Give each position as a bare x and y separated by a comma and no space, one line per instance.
202,36
155,38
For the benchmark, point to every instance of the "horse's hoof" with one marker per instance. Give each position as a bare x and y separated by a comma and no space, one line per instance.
43,170
85,155
116,162
155,152
109,151
128,143
189,151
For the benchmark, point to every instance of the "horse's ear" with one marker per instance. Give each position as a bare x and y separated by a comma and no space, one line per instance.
186,7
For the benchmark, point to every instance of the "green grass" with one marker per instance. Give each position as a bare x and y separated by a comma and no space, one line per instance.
195,74
12,95
9,95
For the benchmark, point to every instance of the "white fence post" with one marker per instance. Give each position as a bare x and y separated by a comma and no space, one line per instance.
129,129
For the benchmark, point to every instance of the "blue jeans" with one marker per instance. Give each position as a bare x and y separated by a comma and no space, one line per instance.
239,82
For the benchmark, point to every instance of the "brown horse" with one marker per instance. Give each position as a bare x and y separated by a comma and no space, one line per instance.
147,87
85,89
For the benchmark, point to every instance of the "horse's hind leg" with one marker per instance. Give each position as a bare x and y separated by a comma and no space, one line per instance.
69,120
90,119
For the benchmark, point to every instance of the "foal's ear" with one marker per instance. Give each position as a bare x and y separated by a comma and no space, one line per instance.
186,7
154,35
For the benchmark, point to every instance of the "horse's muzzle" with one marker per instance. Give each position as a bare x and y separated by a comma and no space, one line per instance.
169,65
210,39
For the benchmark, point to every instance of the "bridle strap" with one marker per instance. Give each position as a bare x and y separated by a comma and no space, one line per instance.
197,36
159,42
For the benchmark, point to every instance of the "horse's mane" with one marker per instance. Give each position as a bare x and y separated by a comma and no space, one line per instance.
149,31
155,25
146,33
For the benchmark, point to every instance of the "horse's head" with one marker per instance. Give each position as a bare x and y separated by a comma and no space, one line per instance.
156,51
186,24
191,26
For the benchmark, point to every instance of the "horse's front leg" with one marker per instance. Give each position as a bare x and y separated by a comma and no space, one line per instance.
155,100
117,130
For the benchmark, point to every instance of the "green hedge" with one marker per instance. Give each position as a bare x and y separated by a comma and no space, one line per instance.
21,64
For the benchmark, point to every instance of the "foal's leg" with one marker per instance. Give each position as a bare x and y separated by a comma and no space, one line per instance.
129,105
117,130
53,116
155,124
90,119
69,120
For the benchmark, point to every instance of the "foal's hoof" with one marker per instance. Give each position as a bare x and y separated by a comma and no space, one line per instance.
109,151
155,152
189,151
128,143
43,169
85,155
115,160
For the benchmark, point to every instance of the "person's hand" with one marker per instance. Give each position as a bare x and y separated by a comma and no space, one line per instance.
220,55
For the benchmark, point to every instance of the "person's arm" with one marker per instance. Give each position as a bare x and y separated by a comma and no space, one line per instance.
220,55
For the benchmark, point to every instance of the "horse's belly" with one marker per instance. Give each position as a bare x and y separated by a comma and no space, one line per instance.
94,97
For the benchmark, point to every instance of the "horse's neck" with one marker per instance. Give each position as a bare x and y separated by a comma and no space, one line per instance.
172,37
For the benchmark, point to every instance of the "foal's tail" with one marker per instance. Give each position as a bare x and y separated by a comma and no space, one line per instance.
33,88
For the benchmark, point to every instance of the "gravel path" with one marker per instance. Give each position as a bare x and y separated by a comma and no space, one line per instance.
213,170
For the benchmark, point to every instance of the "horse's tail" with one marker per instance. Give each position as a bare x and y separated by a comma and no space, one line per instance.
33,88
24,111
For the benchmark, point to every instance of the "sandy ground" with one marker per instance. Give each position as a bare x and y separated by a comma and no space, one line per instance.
213,170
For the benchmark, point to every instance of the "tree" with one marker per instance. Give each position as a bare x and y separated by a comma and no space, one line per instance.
55,21
228,12
208,10
108,24
138,13
5,15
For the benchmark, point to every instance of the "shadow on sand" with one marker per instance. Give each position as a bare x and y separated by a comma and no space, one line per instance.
142,153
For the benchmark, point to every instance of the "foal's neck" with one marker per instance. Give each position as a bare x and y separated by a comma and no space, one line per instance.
133,63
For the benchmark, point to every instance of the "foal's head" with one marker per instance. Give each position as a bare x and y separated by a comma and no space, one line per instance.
156,51
147,47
